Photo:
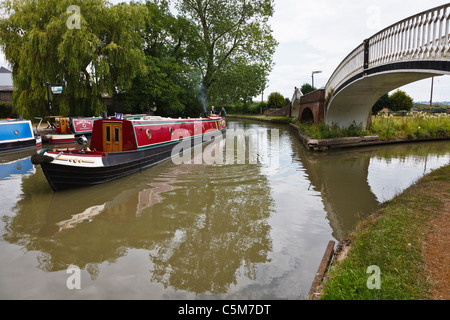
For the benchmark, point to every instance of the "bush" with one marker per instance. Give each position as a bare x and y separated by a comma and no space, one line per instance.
275,100
307,88
6,110
401,101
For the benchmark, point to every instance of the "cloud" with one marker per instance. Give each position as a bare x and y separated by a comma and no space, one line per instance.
318,35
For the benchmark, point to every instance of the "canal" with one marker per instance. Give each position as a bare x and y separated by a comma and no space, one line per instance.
252,229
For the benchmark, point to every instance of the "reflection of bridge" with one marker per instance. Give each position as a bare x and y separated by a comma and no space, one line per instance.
413,49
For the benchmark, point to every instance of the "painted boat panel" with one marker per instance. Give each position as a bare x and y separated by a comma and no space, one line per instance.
15,130
16,135
82,126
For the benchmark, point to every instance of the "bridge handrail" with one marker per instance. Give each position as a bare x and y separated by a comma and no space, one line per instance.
424,36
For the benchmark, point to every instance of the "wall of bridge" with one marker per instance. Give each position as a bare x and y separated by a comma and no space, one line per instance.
312,105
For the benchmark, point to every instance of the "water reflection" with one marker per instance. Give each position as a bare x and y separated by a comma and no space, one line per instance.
199,226
354,182
225,231
341,180
15,163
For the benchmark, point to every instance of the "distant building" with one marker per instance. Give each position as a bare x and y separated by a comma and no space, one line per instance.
6,85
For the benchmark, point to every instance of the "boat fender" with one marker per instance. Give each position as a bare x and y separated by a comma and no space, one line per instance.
39,158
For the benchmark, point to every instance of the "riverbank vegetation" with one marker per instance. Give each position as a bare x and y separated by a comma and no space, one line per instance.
416,125
393,240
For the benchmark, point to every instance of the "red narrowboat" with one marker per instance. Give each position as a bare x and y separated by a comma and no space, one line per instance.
120,147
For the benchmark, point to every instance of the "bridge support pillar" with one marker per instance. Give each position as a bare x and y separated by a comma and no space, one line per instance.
312,107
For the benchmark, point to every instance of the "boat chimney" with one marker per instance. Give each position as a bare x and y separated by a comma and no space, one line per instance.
105,114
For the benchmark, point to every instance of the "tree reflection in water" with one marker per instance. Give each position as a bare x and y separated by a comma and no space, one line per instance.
201,227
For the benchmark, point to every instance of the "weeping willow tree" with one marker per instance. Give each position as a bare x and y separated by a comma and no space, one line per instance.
91,46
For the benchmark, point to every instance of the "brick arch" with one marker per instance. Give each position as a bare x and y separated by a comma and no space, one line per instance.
313,102
306,115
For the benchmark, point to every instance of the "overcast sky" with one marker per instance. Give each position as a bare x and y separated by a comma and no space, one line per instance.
318,35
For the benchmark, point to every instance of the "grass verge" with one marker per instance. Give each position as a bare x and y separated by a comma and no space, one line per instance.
392,239
420,126
277,119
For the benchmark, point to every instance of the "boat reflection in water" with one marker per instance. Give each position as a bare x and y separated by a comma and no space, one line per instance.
200,230
15,163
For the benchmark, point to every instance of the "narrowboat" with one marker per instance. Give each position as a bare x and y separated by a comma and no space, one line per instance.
17,135
67,129
120,147
75,125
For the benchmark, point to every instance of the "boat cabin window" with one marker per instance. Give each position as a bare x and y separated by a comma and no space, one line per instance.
116,134
108,134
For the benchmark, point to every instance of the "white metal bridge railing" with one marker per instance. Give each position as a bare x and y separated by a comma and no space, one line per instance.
424,36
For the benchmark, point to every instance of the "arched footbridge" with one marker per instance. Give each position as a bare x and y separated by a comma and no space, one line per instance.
413,49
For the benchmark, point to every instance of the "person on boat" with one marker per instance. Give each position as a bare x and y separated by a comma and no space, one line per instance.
222,113
213,112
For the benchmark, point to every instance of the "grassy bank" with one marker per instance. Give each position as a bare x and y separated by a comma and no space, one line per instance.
414,126
392,239
277,119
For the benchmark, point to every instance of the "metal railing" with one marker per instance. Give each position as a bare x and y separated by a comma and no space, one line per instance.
424,36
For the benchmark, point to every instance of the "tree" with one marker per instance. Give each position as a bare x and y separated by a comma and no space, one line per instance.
401,101
170,82
99,53
238,82
276,100
227,31
307,88
383,103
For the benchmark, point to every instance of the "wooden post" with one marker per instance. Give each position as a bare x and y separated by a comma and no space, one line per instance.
326,260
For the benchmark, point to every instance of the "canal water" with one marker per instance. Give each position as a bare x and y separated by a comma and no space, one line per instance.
251,230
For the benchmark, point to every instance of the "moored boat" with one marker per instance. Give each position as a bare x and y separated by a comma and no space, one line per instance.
120,147
82,126
17,135
68,129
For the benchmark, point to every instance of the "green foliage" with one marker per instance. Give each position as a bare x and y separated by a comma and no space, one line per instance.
226,33
169,85
324,131
246,109
307,88
216,50
101,56
398,101
401,101
383,103
415,126
6,110
276,100
435,108
393,241
239,81
412,126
